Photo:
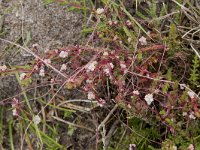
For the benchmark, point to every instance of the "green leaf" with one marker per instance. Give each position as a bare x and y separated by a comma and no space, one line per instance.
46,2
140,57
162,112
71,130
67,114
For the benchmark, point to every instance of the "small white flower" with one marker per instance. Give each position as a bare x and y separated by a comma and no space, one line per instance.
52,80
136,92
106,71
191,116
101,102
129,106
191,147
123,66
182,86
3,68
63,54
128,22
129,40
36,120
41,73
100,11
148,98
132,146
110,22
184,114
174,147
105,53
148,33
14,104
47,61
115,22
91,66
191,94
110,77
63,67
88,81
143,41
36,67
17,14
35,45
111,65
125,71
14,112
22,76
91,95
115,38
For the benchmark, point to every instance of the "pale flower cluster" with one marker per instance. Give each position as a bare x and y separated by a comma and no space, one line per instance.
129,40
182,86
36,120
149,98
88,81
191,147
63,67
3,68
101,102
14,104
191,94
91,95
128,22
105,53
63,54
35,45
123,65
184,114
132,146
47,61
106,71
115,38
111,65
115,22
91,66
41,72
14,112
136,92
129,106
110,22
100,11
191,116
174,147
22,76
143,41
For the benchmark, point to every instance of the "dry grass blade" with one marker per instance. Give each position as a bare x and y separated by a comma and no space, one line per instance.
72,124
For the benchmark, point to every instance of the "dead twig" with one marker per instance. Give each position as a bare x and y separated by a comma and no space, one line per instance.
107,117
110,133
